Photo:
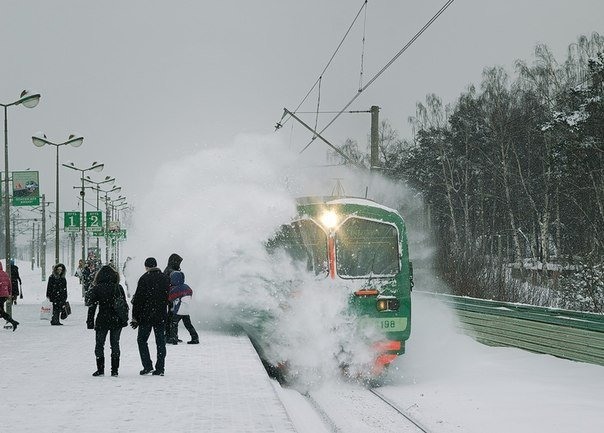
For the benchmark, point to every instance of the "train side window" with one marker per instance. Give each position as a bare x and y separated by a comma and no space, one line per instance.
305,242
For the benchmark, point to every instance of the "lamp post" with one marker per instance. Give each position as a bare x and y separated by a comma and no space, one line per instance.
106,200
40,140
96,167
109,181
112,204
123,205
28,101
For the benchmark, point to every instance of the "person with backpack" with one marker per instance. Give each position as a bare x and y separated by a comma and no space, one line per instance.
180,297
108,295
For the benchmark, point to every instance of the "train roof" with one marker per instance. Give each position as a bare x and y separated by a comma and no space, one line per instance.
333,200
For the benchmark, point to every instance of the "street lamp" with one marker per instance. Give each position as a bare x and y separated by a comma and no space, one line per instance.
94,167
40,140
28,101
109,181
106,200
117,205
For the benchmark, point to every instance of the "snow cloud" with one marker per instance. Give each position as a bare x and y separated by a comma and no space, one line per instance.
217,208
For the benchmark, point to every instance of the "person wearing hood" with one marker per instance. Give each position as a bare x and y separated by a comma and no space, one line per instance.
6,294
149,313
15,281
180,297
103,292
56,291
174,262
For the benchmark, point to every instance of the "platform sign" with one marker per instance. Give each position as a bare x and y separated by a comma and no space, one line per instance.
99,233
94,221
119,235
71,221
26,188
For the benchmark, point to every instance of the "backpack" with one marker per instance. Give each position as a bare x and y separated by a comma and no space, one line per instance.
121,307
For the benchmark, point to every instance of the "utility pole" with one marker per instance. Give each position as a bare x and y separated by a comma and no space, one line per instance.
33,244
375,137
72,237
43,243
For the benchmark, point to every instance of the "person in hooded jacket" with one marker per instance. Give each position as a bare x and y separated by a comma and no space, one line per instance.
56,291
180,296
104,290
6,296
15,281
174,262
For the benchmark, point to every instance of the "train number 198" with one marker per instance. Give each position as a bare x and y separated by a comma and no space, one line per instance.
388,324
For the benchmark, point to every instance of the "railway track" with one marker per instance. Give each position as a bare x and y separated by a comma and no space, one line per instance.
353,409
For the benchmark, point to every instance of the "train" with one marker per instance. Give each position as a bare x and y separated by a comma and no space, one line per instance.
360,246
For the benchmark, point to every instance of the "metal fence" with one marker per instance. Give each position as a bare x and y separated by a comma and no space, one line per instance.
564,333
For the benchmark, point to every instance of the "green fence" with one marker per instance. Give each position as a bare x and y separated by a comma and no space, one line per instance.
564,333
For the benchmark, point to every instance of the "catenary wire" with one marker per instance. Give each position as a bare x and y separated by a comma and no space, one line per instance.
330,60
381,71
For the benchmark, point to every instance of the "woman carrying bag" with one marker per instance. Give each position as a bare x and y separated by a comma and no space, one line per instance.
103,293
56,292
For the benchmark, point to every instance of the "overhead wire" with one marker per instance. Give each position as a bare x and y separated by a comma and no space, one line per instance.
328,63
363,50
385,67
318,107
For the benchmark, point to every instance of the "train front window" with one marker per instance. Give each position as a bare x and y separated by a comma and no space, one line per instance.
305,242
366,248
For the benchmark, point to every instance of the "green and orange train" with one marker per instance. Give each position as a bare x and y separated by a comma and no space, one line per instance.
362,246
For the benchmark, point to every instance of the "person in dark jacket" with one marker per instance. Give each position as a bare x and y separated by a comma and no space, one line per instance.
56,291
102,293
150,312
174,262
88,274
15,281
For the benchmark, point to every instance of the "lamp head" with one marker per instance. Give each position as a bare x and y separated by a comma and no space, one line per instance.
29,100
97,167
39,139
75,140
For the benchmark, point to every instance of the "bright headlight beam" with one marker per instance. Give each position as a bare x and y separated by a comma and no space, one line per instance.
329,219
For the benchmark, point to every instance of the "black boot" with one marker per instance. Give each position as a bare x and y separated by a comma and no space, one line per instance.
100,367
15,323
115,365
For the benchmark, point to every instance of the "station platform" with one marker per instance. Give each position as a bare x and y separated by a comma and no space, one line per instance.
218,385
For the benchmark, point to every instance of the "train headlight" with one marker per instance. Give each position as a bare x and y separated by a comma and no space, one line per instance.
387,304
329,219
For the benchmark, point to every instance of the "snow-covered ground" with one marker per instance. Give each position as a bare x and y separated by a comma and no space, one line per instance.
446,381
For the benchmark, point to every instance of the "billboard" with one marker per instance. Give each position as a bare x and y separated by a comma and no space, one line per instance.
26,188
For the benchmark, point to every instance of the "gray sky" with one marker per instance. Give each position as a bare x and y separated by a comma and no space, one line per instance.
147,81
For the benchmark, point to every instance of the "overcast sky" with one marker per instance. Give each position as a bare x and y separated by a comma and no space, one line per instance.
148,81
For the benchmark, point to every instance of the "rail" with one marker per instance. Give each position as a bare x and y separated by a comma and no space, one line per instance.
564,333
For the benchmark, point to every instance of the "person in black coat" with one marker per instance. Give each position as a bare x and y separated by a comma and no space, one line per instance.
15,281
56,291
104,290
174,262
88,274
150,312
